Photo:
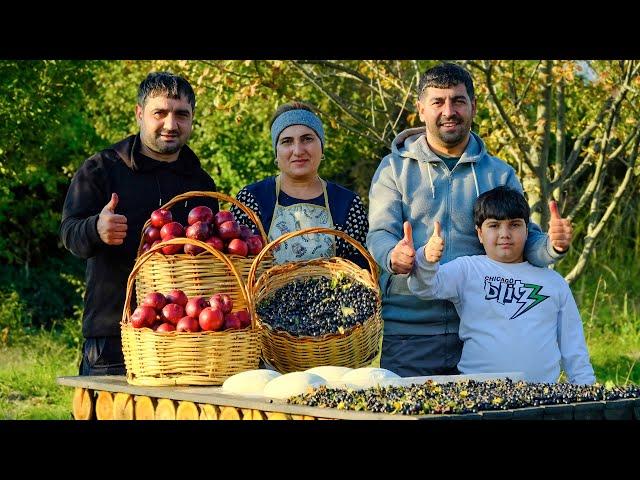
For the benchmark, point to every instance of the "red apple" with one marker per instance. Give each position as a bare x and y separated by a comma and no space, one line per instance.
178,297
187,324
229,230
223,216
216,243
223,301
143,316
245,319
192,249
161,217
245,232
174,228
171,249
151,234
238,247
155,300
254,243
195,305
172,312
200,214
145,248
231,321
211,319
156,324
198,231
165,327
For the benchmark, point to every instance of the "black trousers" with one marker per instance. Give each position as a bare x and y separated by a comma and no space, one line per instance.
102,356
421,355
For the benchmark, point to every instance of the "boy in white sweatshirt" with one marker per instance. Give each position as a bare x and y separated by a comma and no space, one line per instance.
513,316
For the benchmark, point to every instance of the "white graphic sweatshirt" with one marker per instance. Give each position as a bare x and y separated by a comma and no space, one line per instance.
513,317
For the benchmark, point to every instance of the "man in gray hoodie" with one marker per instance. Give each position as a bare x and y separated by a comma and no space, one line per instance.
436,173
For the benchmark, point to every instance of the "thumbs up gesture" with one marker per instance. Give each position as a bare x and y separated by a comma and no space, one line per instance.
435,246
112,227
560,229
403,254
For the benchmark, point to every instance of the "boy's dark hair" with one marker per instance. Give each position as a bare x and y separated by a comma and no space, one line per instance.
501,203
290,106
446,75
167,84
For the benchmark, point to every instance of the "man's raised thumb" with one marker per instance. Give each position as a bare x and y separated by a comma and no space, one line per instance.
113,203
408,233
437,230
553,209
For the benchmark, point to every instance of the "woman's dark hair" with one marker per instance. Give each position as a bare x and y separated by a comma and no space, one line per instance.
446,75
290,106
501,203
167,84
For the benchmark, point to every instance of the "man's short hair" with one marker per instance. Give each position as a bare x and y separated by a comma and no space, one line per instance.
446,75
501,203
166,84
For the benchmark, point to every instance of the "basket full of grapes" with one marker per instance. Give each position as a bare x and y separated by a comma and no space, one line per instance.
324,311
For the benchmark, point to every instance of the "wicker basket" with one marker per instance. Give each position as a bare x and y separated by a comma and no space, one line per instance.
181,358
196,274
356,347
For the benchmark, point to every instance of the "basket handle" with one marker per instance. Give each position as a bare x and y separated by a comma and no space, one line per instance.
126,312
218,196
283,238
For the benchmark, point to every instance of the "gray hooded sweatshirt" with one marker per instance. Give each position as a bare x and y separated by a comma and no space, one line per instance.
413,184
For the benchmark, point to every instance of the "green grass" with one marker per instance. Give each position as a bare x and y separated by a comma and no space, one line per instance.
28,372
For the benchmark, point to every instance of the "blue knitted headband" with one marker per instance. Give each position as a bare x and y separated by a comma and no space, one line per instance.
296,117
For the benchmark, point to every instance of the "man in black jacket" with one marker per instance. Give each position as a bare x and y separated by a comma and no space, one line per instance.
113,194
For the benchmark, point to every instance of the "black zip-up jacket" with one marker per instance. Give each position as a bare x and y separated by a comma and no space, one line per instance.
142,185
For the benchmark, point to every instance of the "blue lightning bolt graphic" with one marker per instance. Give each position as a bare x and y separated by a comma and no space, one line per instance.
532,296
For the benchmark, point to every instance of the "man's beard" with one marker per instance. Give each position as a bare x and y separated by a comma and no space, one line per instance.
451,139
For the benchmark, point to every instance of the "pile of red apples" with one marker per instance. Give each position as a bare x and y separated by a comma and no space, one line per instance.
175,312
221,231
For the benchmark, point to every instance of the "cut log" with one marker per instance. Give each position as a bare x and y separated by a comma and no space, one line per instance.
247,413
82,404
165,410
104,406
122,406
278,416
187,411
229,413
259,415
209,412
144,408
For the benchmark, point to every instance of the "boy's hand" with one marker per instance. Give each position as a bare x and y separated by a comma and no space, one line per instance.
403,254
112,227
560,229
435,246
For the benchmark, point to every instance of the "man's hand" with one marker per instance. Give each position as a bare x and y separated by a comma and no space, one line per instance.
112,227
435,246
560,229
403,254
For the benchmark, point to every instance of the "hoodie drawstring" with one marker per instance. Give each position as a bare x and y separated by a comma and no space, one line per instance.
475,180
433,190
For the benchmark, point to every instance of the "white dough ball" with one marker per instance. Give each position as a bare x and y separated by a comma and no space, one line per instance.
291,384
368,377
330,373
250,382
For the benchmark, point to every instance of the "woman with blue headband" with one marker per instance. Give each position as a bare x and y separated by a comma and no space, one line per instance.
298,198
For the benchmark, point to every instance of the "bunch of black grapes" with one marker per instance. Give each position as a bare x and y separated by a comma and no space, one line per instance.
318,306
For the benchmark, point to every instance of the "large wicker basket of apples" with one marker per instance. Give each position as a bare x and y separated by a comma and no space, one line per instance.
172,338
